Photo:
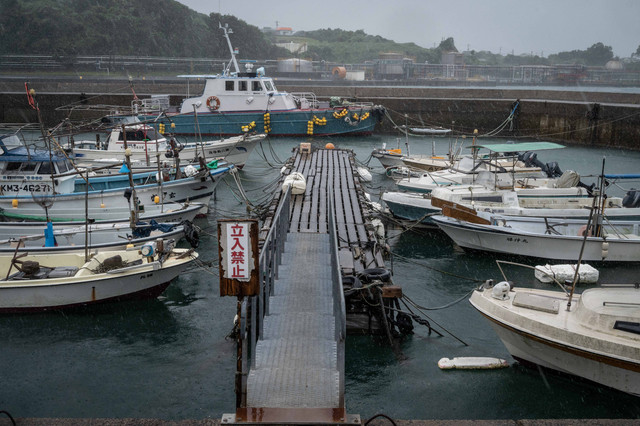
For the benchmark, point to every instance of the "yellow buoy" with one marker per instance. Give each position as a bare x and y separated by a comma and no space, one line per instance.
14,203
102,205
329,146
156,199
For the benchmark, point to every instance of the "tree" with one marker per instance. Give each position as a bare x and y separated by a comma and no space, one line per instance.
598,54
447,45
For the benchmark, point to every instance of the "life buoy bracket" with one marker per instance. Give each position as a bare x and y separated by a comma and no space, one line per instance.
213,103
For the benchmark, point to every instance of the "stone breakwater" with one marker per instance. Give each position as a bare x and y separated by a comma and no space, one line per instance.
598,118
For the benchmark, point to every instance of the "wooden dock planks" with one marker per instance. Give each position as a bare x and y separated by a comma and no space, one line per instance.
332,173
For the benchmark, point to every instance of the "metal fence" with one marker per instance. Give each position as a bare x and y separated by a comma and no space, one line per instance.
339,307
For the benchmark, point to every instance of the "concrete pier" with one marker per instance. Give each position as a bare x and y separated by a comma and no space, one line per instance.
597,118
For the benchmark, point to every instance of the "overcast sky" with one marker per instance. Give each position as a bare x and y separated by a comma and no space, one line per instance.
500,26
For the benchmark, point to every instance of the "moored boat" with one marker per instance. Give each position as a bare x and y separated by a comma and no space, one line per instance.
236,102
41,237
147,144
57,281
545,238
595,336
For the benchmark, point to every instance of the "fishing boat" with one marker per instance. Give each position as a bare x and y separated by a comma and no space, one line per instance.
594,335
544,238
110,204
503,169
537,201
39,190
32,169
161,212
146,145
41,282
235,102
388,157
39,237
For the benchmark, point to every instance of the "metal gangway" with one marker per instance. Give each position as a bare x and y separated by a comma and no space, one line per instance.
291,360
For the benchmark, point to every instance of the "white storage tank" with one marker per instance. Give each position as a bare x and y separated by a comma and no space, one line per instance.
294,65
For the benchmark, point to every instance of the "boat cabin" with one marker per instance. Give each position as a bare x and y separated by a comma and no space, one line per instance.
32,171
248,91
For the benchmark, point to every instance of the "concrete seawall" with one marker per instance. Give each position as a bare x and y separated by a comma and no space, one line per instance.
557,115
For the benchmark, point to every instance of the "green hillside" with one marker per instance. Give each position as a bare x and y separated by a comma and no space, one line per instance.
123,27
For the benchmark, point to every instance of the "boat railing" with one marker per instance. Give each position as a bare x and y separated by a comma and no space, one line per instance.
310,97
339,306
255,308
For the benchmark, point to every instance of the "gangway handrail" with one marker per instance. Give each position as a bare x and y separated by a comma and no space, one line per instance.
253,309
339,304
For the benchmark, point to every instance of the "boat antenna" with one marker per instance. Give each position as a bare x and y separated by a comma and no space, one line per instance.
233,61
594,207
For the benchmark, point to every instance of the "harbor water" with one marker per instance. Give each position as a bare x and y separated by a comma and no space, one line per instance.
170,358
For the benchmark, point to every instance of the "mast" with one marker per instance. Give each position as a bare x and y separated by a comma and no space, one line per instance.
233,61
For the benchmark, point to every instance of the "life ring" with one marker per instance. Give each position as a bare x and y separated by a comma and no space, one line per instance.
213,103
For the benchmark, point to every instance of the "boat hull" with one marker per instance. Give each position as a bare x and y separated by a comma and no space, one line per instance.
499,239
581,341
146,281
112,204
281,123
233,150
408,206
115,236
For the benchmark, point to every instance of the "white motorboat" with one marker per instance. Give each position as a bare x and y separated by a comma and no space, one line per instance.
596,336
41,237
167,212
146,145
538,201
56,281
545,238
502,167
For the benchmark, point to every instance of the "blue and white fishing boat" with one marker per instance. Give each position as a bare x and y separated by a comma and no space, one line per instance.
237,102
37,190
30,169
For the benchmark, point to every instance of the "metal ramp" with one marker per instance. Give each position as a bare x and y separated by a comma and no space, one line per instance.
291,357
296,357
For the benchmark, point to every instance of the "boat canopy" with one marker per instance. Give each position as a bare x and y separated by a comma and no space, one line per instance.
522,146
622,176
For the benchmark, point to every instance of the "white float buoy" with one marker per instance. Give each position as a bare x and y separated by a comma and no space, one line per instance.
472,363
364,174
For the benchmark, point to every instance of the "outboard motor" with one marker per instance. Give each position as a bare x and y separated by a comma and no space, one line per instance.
552,169
632,199
531,160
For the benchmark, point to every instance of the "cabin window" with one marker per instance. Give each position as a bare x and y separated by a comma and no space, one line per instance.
45,168
228,86
12,167
269,86
137,135
257,87
242,86
28,167
63,166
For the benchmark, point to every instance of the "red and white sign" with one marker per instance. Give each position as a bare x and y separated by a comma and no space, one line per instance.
238,252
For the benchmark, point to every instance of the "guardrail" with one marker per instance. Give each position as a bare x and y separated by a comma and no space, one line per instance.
339,307
254,308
